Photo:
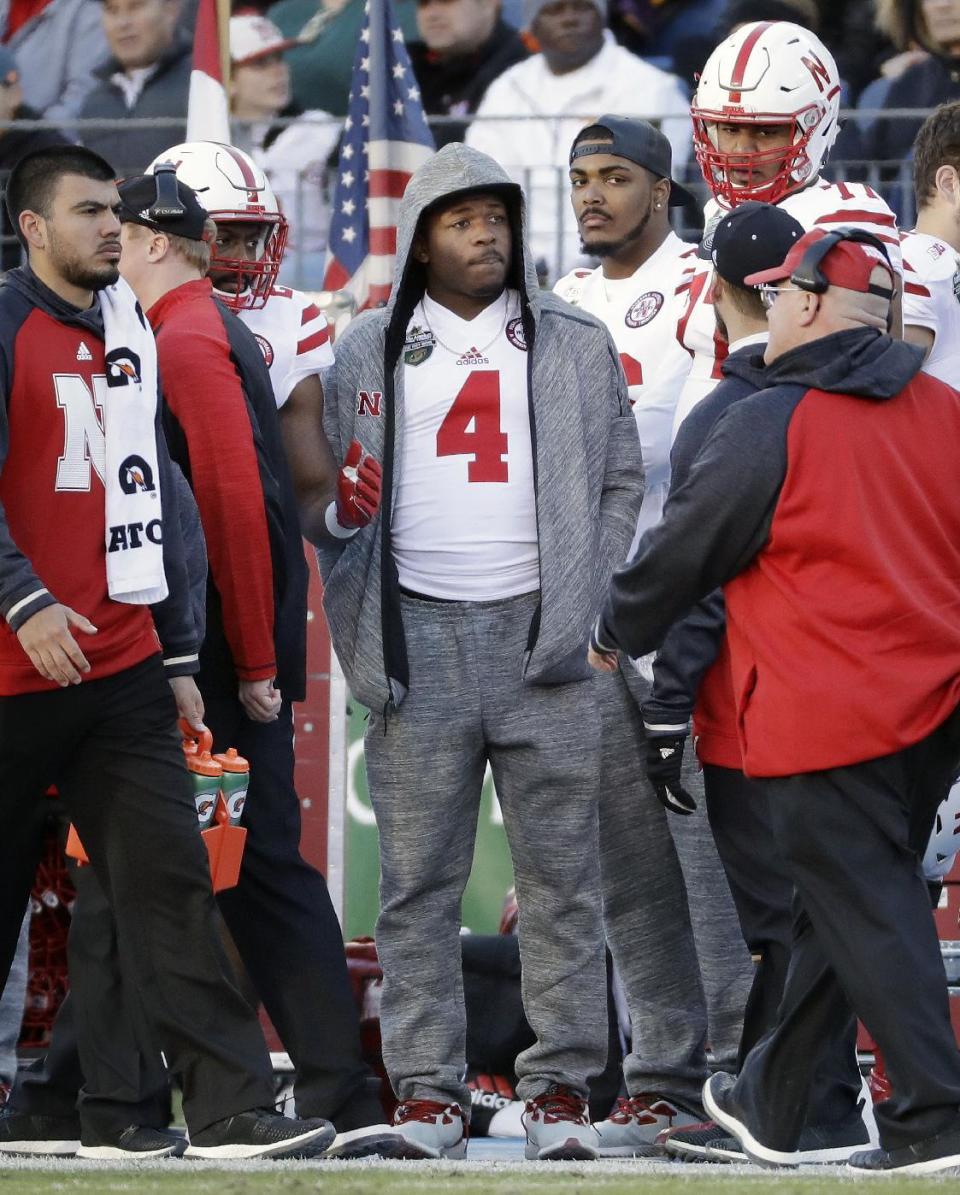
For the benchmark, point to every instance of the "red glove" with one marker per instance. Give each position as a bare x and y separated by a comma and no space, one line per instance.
359,485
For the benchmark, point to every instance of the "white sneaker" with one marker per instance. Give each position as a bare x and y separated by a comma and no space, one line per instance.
558,1127
632,1127
430,1129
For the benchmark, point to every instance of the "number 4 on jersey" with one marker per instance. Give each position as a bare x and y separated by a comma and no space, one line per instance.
472,427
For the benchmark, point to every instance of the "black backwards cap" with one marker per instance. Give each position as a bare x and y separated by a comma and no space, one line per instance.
751,238
637,141
162,202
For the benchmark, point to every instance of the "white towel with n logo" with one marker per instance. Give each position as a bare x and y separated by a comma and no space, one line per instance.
132,479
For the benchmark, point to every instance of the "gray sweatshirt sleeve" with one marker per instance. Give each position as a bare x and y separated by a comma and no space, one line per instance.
623,479
712,527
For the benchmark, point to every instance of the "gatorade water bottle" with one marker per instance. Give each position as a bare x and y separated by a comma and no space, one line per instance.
205,772
234,783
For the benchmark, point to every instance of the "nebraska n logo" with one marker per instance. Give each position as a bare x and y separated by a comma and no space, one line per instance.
83,443
368,402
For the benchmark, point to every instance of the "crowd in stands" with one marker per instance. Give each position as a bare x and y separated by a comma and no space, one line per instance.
528,71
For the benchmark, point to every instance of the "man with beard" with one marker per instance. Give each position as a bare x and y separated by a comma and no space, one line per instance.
683,964
84,696
512,479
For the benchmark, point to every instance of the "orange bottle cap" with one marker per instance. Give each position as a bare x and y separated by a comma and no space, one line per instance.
230,761
203,763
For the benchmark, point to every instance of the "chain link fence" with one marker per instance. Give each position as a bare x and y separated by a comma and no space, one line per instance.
303,171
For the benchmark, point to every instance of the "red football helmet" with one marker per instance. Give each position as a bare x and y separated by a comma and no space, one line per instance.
233,189
766,73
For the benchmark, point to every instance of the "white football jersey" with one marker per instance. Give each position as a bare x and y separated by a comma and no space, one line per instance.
821,205
293,336
931,299
464,517
642,313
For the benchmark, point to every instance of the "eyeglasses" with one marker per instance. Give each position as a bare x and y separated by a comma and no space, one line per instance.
768,292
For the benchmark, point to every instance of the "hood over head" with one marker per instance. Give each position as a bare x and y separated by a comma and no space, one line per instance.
859,361
451,171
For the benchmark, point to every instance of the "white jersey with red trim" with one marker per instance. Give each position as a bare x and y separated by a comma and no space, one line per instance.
642,312
464,516
294,338
931,299
821,205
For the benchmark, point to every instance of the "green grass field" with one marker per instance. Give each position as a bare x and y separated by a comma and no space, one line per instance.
374,1180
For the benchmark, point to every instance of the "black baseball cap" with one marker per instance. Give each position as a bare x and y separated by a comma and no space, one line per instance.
162,202
637,141
751,238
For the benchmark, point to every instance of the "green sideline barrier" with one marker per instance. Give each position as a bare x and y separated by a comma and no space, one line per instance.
492,873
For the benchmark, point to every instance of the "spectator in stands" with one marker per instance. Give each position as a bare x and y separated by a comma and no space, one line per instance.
327,33
294,155
147,76
466,45
933,25
14,144
58,44
581,70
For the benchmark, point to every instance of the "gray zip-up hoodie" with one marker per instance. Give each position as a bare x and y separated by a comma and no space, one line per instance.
588,473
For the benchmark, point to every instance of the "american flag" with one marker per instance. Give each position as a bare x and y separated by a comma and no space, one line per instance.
385,139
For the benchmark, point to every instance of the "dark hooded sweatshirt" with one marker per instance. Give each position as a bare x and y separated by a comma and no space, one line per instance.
693,665
827,508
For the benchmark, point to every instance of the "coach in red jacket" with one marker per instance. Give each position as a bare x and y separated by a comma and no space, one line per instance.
838,550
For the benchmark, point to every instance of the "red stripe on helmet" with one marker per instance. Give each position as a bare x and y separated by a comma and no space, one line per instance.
740,66
249,178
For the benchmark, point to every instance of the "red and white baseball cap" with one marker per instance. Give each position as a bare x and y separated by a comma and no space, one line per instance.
848,265
252,36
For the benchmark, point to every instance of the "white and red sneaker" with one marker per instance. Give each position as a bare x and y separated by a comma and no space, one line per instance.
430,1129
631,1129
558,1127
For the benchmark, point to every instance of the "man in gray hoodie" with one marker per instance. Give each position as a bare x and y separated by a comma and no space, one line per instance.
512,479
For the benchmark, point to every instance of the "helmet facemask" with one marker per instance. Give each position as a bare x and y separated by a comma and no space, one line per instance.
254,279
793,166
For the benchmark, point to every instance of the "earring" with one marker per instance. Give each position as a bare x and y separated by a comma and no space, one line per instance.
659,206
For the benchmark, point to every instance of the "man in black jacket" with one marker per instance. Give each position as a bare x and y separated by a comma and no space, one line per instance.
466,45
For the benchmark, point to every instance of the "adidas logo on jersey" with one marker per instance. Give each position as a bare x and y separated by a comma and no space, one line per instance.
473,356
83,353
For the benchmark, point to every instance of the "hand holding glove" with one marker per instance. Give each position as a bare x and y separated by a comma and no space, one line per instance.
664,760
359,486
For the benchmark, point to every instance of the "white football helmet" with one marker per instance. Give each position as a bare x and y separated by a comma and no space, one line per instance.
233,189
767,72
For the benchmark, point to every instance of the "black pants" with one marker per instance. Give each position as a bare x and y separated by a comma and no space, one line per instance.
287,934
111,748
742,824
864,938
283,922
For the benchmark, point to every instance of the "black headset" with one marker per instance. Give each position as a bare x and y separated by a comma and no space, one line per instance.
167,205
809,276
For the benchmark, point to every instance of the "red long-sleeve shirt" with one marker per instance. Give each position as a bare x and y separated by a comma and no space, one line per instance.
205,393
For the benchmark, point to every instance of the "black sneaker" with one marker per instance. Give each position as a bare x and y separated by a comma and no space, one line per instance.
719,1101
818,1144
692,1142
929,1156
135,1141
50,1136
260,1133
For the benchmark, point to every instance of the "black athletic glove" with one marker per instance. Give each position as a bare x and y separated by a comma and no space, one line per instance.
664,759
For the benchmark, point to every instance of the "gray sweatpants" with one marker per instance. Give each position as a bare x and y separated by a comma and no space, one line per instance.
425,765
670,919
